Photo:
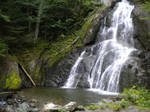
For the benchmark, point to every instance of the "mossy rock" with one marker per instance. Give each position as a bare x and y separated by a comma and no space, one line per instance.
13,81
9,75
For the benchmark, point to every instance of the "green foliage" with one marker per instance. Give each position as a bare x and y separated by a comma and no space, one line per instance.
13,81
139,97
3,48
21,111
65,16
122,104
94,107
145,5
113,105
63,111
64,40
145,18
58,19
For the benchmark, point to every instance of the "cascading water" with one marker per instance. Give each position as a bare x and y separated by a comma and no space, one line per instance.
113,49
74,77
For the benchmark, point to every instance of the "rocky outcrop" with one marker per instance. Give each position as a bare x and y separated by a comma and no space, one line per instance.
141,26
135,72
34,67
57,74
9,74
13,77
94,27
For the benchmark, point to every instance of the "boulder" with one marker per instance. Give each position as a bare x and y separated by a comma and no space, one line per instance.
50,107
70,106
9,74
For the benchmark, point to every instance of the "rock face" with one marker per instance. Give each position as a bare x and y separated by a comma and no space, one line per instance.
13,77
9,74
139,72
59,72
135,73
35,69
91,34
142,27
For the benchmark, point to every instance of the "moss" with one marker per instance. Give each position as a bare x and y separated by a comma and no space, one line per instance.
56,58
25,55
2,80
13,81
37,77
95,107
36,73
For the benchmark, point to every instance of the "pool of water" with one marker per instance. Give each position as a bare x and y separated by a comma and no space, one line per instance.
63,96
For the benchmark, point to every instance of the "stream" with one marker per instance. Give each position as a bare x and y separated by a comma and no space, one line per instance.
62,96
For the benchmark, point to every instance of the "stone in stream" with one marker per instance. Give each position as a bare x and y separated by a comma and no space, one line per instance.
70,106
23,107
9,108
50,107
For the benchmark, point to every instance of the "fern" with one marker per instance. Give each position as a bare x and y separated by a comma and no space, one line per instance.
146,6
4,17
3,48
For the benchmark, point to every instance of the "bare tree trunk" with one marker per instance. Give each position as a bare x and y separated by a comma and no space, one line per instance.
38,20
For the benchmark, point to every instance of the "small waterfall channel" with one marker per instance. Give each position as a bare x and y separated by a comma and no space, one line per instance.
109,54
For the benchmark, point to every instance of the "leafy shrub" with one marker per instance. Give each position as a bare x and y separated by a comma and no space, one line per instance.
139,97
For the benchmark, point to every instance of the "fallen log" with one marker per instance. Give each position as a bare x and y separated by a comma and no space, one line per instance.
27,74
73,43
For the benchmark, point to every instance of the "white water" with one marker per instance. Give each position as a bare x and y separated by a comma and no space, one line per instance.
112,52
74,77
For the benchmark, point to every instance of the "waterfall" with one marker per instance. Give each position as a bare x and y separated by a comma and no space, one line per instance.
112,50
74,77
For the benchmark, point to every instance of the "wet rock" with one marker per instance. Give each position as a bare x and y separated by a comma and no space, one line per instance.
142,27
23,107
108,101
33,101
57,74
70,106
79,108
35,110
32,105
9,108
50,107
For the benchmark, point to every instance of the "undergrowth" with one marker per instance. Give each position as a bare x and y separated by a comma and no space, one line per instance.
65,40
138,97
